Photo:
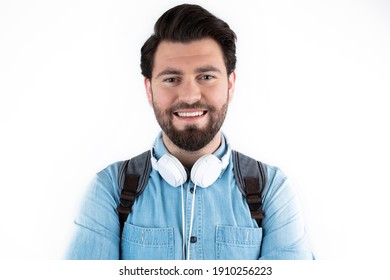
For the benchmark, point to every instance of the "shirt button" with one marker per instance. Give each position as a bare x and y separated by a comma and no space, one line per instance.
193,239
192,190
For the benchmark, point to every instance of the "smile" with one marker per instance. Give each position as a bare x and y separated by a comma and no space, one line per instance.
190,114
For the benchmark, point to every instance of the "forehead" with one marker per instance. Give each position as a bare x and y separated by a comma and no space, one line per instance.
187,56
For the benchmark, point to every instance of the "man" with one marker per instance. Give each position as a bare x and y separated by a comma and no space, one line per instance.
191,207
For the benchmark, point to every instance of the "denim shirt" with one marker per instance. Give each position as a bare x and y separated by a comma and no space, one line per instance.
222,225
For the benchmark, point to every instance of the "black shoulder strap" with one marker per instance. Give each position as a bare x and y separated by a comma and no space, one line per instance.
251,179
133,177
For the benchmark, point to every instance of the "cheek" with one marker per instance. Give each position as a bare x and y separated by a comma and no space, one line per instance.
163,98
217,96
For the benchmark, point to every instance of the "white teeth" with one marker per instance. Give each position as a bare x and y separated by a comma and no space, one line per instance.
190,114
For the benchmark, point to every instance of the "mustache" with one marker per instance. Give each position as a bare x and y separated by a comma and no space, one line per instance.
196,105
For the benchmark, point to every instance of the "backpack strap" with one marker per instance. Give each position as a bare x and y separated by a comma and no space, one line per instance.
133,177
251,179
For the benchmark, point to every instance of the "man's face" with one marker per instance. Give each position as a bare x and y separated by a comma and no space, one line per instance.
190,91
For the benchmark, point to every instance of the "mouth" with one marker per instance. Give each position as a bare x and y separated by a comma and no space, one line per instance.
190,114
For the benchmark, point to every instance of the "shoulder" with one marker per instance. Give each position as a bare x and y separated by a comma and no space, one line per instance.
110,172
105,182
248,166
246,161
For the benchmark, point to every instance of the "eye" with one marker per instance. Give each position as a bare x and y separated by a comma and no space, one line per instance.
170,80
207,77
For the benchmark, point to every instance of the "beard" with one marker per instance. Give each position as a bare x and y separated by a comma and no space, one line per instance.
191,138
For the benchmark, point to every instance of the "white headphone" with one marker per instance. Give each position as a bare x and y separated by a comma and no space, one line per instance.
204,173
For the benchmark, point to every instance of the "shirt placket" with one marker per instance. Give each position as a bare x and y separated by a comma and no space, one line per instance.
196,235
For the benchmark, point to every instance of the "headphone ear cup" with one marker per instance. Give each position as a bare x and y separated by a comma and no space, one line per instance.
206,171
171,170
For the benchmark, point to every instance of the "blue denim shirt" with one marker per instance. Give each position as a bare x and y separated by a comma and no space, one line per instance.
222,224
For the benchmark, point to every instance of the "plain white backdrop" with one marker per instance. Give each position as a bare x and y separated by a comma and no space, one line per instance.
313,80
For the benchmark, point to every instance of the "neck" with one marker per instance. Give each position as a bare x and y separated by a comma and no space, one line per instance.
188,158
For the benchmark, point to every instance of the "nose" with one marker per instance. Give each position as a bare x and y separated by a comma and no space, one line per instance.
190,92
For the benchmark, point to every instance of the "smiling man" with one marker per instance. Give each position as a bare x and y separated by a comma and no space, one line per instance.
191,196
189,91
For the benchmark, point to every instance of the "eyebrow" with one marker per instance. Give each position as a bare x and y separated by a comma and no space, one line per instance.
169,71
207,68
173,71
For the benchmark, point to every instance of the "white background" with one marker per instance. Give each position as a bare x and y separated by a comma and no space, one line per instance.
313,79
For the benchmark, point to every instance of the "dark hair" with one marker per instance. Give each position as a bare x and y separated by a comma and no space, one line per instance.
187,23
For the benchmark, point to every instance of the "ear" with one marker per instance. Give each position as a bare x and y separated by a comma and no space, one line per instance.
231,84
148,88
